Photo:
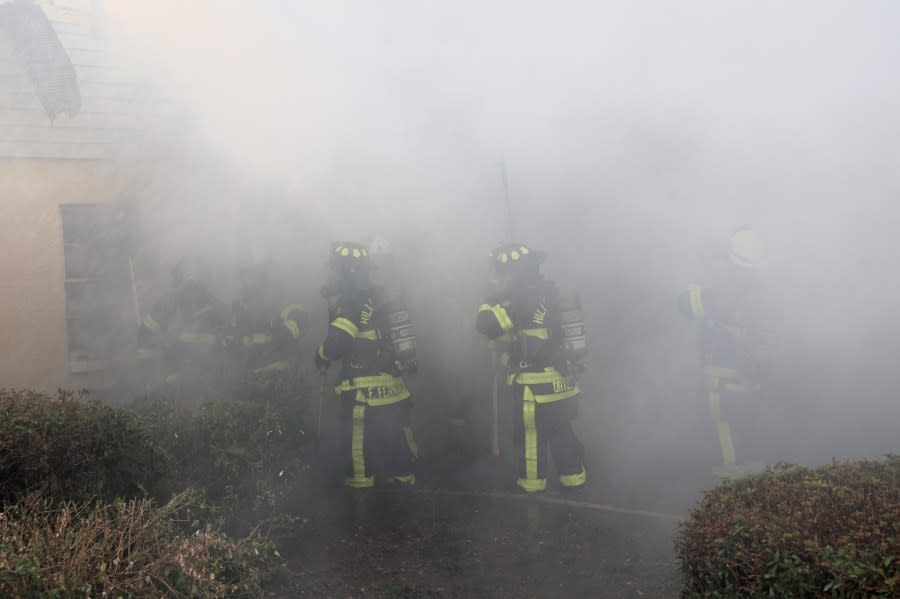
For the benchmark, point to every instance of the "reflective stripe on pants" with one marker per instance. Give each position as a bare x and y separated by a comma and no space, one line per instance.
731,385
377,441
542,427
357,451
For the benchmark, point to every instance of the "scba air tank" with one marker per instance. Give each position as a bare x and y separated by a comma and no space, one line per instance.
574,338
403,339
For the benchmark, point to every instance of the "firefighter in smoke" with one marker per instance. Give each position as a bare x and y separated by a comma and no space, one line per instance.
375,407
264,335
524,309
734,339
184,333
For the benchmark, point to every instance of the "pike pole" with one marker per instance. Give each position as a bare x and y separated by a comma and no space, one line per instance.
495,358
322,378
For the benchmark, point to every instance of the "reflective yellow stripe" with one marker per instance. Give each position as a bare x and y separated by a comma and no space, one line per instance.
724,431
573,480
147,352
532,486
273,367
531,463
729,379
741,387
721,372
151,324
290,308
357,451
322,353
197,338
484,308
293,327
378,390
361,382
726,443
503,318
411,442
551,397
696,299
345,325
564,387
408,479
256,339
539,333
531,482
715,406
550,375
372,335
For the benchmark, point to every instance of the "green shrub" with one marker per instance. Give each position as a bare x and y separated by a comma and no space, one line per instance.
72,449
246,453
125,549
791,531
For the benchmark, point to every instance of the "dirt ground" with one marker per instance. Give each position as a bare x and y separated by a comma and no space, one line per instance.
432,543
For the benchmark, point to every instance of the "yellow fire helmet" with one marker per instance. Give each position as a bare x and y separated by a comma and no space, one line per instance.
748,250
515,257
349,255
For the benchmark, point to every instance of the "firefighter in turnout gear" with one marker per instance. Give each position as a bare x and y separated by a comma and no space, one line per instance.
375,406
184,332
264,336
523,309
734,340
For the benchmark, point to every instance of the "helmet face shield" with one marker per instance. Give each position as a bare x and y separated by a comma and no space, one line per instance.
351,262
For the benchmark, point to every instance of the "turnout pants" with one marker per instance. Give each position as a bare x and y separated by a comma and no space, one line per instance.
731,397
377,440
538,427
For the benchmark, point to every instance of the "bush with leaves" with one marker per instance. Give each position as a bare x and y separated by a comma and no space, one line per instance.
71,448
129,548
791,531
246,453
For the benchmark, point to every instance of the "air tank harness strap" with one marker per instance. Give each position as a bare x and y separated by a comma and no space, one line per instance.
378,390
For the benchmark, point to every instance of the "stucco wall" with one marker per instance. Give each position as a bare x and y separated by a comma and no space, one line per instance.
33,345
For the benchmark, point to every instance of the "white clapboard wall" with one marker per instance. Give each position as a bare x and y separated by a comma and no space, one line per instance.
116,108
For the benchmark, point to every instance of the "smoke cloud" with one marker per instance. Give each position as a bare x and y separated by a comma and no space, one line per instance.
635,136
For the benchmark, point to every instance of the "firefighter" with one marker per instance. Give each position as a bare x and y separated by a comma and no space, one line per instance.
524,309
375,409
733,338
264,335
184,331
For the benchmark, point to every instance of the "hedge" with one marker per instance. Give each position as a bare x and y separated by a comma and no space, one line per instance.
71,448
51,548
792,531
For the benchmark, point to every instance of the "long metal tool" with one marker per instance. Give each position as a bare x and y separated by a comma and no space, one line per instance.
510,230
134,295
495,358
322,379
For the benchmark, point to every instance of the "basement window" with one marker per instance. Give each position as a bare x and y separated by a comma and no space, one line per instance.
100,320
